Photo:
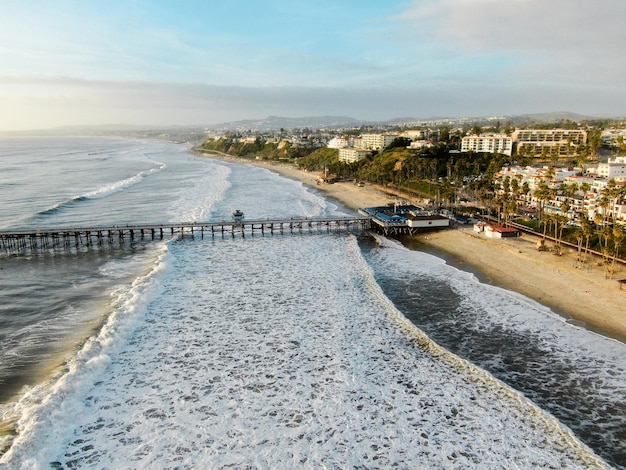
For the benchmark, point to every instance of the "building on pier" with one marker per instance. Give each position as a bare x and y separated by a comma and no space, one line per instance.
404,219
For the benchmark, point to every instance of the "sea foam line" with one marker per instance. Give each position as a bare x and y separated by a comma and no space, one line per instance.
479,376
53,402
122,184
198,202
105,190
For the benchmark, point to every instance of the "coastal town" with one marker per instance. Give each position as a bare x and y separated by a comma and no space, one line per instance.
581,283
314,234
566,179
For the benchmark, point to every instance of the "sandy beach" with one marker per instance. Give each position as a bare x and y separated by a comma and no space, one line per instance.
581,295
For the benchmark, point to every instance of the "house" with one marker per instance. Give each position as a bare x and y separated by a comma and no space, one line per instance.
498,231
480,227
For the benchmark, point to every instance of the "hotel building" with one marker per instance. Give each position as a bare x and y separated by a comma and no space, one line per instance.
488,144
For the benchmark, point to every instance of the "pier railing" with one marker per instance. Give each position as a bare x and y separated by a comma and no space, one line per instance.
44,239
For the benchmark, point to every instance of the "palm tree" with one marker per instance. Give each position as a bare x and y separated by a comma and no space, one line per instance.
614,192
594,142
542,195
550,174
563,219
504,199
499,206
621,146
554,155
608,196
584,187
580,236
618,240
605,234
546,220
603,203
509,209
486,198
525,190
516,192
569,145
587,230
432,165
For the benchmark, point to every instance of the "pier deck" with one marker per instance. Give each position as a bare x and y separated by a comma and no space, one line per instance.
44,239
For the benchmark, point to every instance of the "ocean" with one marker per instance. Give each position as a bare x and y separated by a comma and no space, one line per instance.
270,351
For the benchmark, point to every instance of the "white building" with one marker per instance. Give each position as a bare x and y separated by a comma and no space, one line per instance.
420,144
586,200
374,141
426,221
532,175
415,134
498,231
612,137
613,169
352,155
337,143
488,144
619,212
538,142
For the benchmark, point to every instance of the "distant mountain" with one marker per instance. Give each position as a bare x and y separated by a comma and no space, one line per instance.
542,118
274,123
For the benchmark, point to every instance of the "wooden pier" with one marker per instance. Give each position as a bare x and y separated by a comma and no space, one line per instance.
46,239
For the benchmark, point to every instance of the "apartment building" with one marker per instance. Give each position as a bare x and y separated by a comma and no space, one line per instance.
613,169
374,141
488,144
613,137
352,155
416,134
541,142
337,143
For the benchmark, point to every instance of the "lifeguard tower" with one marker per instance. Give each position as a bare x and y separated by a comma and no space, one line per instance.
238,217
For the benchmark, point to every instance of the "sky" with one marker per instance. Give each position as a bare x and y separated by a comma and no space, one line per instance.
202,62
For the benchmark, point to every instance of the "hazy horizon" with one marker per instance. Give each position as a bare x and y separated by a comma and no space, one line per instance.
151,63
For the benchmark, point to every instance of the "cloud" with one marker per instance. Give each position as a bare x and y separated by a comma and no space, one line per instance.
544,41
38,102
536,26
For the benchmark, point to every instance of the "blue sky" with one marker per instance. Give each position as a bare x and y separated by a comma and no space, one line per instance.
72,62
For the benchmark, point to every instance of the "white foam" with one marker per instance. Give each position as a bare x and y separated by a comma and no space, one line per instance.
572,372
303,363
117,186
44,407
196,200
282,352
261,193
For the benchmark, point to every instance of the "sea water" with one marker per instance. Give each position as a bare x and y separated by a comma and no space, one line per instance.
313,350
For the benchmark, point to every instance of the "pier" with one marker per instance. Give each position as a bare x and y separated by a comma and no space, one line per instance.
76,238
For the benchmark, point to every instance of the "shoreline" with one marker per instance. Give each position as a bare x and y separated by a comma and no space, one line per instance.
582,296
